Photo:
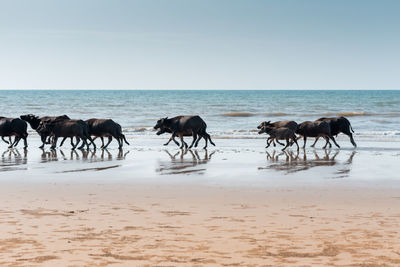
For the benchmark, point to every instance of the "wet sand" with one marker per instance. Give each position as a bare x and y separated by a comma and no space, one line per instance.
231,205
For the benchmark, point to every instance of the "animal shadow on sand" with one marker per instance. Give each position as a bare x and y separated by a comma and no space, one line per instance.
185,161
293,162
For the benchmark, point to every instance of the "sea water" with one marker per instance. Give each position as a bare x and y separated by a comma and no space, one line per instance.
228,113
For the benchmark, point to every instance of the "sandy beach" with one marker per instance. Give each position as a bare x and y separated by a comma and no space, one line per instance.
235,204
139,225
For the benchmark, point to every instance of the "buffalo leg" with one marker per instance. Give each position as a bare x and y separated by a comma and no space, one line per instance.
118,140
109,141
176,142
269,141
294,139
194,139
5,140
316,140
287,144
25,142
305,141
78,139
327,142
352,140
334,141
84,143
169,140
279,143
121,140
102,141
62,142
206,139
349,134
87,144
91,141
198,140
16,141
72,143
48,141
182,141
43,138
53,146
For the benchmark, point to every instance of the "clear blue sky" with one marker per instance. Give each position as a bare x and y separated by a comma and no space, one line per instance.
216,44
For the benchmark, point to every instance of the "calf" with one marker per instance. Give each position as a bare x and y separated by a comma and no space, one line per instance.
181,125
106,128
339,125
288,124
281,133
163,130
316,129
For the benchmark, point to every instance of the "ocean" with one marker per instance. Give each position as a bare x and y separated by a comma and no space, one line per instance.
373,114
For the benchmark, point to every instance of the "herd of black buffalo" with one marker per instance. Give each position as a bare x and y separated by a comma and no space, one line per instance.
51,128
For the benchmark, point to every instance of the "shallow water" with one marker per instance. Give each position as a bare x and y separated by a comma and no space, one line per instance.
374,115
231,162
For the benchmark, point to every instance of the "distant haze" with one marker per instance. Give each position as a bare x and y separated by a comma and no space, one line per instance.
208,44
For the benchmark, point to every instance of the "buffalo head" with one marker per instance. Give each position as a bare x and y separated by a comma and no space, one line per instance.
160,123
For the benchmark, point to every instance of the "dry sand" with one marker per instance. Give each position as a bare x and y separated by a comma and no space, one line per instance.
170,225
234,205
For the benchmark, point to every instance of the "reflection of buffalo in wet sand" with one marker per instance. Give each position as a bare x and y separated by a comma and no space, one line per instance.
291,162
181,125
181,165
11,160
93,156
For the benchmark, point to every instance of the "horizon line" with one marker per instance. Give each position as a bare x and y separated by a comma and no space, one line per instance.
191,89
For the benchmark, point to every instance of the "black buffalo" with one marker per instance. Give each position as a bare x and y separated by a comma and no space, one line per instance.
316,129
34,122
163,130
277,124
181,125
339,125
14,127
67,128
106,128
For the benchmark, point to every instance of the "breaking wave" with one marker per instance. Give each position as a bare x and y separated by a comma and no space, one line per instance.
238,114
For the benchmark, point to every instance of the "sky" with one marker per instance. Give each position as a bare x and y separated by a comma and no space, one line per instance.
208,44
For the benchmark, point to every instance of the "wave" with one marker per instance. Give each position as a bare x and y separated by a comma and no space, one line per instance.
250,114
331,114
276,114
361,113
238,114
348,114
